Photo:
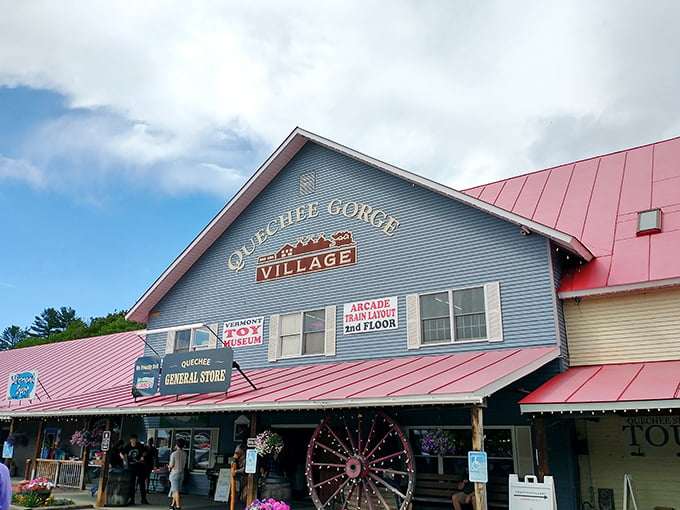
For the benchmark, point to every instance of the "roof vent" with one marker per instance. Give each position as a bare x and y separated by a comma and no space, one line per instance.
649,222
307,183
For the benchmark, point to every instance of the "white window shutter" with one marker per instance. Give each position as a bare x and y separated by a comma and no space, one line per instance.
330,331
494,323
413,321
170,343
212,339
273,348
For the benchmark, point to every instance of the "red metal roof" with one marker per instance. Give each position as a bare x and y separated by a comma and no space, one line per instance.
464,378
597,201
626,386
75,367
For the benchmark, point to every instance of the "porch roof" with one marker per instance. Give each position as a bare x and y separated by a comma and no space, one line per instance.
464,378
616,387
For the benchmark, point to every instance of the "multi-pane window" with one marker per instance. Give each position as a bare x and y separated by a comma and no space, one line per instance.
508,449
303,333
192,339
306,333
200,445
469,314
463,311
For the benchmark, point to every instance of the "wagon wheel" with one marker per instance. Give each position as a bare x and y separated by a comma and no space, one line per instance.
357,462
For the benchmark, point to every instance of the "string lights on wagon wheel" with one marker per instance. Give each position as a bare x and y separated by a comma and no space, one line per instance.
360,461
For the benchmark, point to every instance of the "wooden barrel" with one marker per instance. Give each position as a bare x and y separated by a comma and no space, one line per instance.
117,488
276,488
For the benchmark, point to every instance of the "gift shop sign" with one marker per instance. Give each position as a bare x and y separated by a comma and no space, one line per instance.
370,315
243,332
204,371
21,385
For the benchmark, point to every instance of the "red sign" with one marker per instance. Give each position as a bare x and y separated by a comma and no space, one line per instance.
314,254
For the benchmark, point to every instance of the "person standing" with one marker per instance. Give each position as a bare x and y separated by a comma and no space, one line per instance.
133,452
150,461
5,487
178,461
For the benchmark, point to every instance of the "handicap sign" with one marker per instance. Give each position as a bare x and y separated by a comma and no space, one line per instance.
477,467
251,461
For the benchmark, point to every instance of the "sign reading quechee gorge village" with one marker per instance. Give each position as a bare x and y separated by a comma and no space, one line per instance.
314,252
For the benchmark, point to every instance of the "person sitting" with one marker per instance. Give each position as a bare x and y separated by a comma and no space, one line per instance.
465,495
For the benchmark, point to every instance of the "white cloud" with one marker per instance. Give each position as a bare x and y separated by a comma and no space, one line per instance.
20,170
463,92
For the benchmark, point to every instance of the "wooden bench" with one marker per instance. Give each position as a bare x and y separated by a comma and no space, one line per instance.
436,488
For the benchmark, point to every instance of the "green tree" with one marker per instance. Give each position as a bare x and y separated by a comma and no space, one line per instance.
51,321
75,327
11,335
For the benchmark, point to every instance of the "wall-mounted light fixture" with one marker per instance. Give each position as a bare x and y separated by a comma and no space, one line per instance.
524,230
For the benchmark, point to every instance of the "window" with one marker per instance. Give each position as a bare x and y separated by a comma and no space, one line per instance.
193,339
306,333
508,449
200,445
459,315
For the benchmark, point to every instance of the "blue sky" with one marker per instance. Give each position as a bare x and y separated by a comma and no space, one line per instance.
125,126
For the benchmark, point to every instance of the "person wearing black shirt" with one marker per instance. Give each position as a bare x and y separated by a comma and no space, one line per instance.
134,452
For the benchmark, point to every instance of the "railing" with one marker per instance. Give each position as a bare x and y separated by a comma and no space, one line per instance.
64,473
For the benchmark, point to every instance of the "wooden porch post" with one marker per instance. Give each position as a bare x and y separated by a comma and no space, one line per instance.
477,419
11,431
542,446
252,480
104,471
38,449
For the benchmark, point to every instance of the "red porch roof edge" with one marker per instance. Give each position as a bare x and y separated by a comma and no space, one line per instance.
620,386
461,379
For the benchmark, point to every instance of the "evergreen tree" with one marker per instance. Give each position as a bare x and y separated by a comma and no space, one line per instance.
10,336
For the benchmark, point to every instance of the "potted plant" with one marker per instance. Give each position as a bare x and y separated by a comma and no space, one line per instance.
267,504
41,486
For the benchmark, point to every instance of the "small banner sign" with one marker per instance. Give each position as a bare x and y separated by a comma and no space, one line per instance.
243,332
204,371
145,381
370,315
21,385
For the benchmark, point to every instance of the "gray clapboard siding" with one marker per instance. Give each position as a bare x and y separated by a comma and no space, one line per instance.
439,244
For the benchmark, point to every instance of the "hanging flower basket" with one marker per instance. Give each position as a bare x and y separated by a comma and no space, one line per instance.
438,442
85,438
268,443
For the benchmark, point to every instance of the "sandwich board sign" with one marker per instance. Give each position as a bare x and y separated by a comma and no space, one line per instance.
532,494
223,487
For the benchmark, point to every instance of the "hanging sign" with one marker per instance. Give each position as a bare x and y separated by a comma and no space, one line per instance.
204,371
22,385
145,379
370,315
532,494
106,441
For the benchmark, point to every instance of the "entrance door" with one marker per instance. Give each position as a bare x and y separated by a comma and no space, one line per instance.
294,456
